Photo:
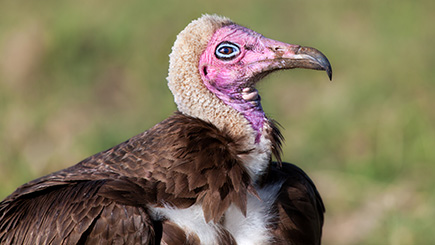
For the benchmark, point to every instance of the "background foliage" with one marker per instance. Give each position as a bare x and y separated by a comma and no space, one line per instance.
78,77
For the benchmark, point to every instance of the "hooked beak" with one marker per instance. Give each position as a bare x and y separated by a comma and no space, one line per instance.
310,58
288,56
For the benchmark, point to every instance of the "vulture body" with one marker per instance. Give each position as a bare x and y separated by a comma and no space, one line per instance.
205,175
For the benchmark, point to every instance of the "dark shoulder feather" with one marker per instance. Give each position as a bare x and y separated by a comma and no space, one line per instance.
275,136
299,206
202,163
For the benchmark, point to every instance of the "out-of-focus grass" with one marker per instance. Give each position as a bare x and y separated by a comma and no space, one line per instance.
81,76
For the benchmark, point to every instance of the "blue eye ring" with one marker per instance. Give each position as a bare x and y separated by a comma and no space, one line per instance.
227,51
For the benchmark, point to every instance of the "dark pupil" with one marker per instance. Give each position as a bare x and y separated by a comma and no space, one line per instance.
226,50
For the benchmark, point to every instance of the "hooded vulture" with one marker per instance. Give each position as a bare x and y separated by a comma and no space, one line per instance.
204,175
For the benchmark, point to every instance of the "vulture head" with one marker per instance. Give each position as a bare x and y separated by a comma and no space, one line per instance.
214,66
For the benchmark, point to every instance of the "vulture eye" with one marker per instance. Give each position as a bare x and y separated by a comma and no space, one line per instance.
227,51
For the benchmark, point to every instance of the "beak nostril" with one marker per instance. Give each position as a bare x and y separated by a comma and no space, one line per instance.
276,48
297,49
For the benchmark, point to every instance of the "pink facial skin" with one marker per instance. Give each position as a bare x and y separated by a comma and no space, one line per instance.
232,80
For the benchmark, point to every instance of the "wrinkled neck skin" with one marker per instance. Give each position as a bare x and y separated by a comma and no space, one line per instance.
234,85
251,110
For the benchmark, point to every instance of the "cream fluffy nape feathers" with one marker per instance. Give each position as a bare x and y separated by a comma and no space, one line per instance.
190,94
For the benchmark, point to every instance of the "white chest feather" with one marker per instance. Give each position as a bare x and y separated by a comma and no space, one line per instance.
192,221
257,161
251,229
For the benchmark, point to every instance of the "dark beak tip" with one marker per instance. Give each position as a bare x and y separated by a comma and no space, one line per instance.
329,72
319,58
324,63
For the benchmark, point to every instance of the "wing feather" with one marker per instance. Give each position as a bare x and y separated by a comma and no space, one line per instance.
73,213
181,161
299,206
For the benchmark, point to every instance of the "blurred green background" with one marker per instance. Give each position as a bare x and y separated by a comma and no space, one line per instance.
78,77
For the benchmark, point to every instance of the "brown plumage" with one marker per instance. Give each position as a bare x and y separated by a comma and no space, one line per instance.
92,200
146,189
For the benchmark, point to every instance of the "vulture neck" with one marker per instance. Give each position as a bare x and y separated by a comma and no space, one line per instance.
197,101
194,99
256,141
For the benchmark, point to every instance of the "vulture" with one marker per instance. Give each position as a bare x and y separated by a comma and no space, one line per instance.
205,175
